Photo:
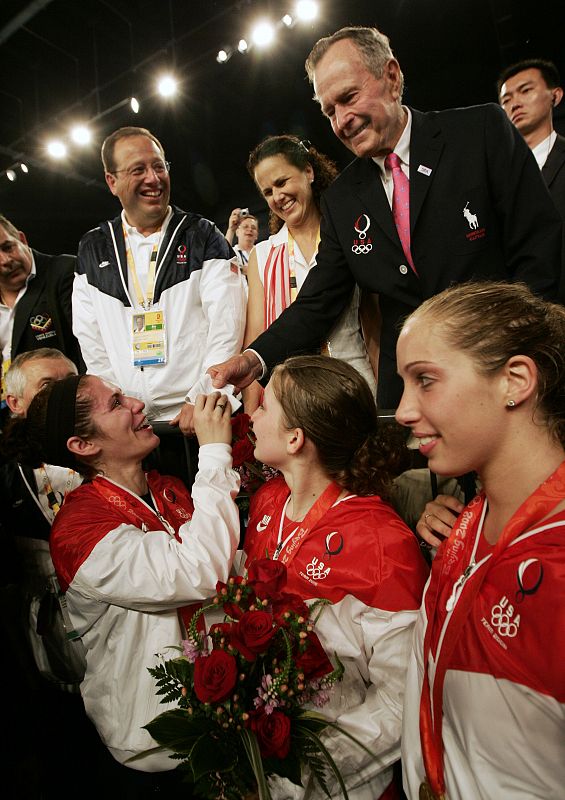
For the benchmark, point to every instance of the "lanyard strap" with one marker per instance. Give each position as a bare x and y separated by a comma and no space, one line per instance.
54,504
292,264
287,550
537,506
144,302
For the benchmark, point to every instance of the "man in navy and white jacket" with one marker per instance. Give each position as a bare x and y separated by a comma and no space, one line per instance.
155,264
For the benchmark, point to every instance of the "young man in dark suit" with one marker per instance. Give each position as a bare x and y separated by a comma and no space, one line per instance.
529,91
460,198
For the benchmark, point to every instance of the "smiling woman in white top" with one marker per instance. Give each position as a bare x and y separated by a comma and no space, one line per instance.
291,175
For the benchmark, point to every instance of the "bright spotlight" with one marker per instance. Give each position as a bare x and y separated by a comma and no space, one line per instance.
263,34
81,135
134,105
222,57
306,10
167,86
56,149
287,20
24,168
242,46
10,174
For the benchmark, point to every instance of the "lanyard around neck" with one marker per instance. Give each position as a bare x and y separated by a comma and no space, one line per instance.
292,264
53,503
537,506
146,300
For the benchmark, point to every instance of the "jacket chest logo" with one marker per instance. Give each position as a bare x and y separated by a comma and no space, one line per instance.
182,256
361,243
42,326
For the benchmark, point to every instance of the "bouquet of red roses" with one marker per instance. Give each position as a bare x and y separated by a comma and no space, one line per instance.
242,688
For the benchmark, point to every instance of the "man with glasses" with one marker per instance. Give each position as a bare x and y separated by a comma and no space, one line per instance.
158,295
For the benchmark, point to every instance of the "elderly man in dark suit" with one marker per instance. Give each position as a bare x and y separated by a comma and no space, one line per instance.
35,299
431,199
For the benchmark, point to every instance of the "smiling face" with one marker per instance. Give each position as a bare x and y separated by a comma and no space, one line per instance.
15,261
123,435
528,102
365,112
144,197
457,413
287,189
247,232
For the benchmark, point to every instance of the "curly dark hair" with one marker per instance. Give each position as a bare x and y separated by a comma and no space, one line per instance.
335,408
299,153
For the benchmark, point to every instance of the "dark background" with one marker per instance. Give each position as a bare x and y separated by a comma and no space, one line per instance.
68,60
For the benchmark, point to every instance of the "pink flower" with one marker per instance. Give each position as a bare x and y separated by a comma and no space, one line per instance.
192,649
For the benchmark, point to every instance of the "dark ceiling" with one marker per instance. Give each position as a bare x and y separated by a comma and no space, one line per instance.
65,60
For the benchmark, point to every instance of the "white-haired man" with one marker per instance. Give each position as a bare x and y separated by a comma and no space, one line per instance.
431,199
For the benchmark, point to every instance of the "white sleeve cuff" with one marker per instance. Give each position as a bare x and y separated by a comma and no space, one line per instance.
215,456
263,365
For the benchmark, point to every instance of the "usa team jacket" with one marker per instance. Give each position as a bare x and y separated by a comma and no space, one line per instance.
363,558
124,586
504,690
197,287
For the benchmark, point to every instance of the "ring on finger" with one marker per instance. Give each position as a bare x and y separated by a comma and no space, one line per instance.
426,518
221,405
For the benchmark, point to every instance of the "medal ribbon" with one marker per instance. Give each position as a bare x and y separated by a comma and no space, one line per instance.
320,508
536,507
113,493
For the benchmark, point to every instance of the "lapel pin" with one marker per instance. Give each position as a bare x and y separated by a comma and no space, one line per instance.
424,170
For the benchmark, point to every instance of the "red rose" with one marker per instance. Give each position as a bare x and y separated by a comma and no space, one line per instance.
288,602
214,676
268,577
313,662
273,733
240,425
219,629
242,452
253,633
233,610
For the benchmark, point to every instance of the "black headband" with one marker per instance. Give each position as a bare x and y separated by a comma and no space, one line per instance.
60,422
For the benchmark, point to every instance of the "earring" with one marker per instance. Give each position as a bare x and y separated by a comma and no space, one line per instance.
511,404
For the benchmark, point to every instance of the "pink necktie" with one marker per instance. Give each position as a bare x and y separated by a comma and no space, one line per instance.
401,205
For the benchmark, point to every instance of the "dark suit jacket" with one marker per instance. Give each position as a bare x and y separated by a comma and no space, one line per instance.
43,315
460,159
553,172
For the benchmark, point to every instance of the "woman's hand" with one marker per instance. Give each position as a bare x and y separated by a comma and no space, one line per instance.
437,519
212,418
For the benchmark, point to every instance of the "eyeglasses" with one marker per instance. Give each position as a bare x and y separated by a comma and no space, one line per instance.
160,168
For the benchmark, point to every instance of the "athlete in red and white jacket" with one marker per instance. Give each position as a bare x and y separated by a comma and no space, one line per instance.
364,559
124,584
504,691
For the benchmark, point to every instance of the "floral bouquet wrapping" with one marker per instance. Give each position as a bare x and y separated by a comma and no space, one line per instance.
242,688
